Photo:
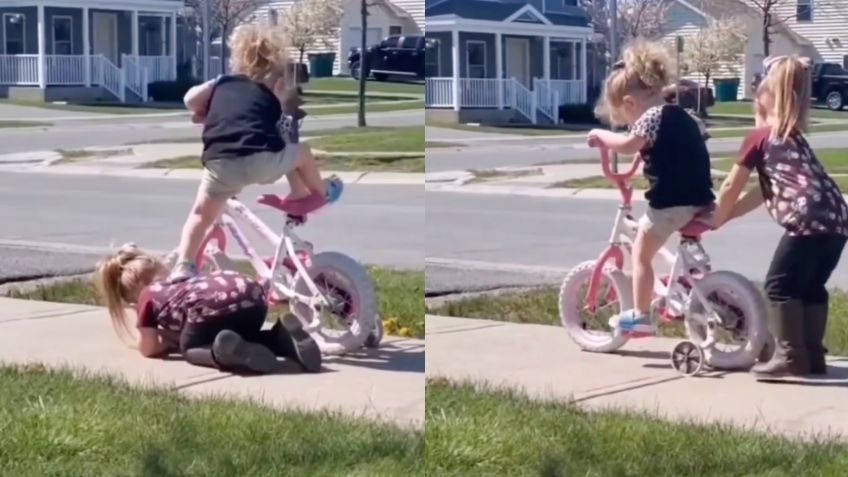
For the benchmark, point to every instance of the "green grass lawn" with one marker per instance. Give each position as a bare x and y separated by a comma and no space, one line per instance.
23,124
525,131
400,295
479,431
835,161
351,85
329,162
104,108
746,107
601,182
817,128
369,108
60,424
334,98
374,139
541,307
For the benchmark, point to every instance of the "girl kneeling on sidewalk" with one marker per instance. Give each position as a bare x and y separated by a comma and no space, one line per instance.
803,199
214,320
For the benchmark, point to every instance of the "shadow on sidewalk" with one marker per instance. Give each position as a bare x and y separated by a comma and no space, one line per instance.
386,358
836,377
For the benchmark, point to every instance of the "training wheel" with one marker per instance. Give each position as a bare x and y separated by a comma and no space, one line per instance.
687,358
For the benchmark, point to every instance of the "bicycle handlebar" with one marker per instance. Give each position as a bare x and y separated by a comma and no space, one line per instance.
616,177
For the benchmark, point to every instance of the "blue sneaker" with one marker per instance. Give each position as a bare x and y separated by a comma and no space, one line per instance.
335,187
632,323
182,272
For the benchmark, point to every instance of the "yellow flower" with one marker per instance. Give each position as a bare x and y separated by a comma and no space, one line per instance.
405,332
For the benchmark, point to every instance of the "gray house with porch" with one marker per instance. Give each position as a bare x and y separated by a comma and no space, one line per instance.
501,60
86,49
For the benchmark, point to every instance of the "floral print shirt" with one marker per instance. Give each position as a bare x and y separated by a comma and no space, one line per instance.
197,300
799,194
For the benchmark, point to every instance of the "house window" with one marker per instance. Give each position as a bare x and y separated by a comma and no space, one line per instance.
395,30
804,11
557,6
409,42
63,38
563,61
432,59
475,59
14,33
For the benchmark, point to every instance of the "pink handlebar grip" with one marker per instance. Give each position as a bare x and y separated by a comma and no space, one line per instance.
605,165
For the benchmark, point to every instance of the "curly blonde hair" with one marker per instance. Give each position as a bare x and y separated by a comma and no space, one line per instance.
645,70
258,52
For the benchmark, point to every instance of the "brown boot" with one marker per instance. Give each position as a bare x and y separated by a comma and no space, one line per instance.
790,354
815,324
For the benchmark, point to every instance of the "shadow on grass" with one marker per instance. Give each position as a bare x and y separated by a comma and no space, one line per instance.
386,358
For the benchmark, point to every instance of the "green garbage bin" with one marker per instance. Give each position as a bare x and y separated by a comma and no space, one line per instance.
321,64
726,89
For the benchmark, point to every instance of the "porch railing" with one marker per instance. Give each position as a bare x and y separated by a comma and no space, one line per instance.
547,99
570,91
109,76
65,69
438,92
135,77
522,100
158,67
19,69
479,92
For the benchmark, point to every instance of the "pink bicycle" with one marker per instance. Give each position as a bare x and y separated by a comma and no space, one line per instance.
723,312
331,293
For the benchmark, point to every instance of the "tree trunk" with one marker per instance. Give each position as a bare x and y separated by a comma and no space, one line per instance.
766,34
363,62
302,51
224,49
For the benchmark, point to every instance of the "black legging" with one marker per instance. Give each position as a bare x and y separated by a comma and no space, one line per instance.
801,267
247,323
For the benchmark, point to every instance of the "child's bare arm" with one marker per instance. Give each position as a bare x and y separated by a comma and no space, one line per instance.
752,199
197,98
150,343
621,143
729,193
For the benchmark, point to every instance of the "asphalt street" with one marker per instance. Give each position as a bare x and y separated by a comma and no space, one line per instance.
532,151
116,131
484,241
48,220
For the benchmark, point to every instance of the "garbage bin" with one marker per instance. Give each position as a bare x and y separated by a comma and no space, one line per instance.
321,64
726,89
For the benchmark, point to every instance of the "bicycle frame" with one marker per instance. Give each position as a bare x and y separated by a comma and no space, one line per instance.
285,244
683,264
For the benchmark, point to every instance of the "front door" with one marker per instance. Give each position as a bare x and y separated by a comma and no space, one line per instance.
518,60
105,35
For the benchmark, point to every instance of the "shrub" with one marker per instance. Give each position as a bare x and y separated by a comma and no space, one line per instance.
168,91
578,113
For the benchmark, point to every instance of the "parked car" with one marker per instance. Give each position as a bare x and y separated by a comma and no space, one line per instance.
395,55
688,91
830,85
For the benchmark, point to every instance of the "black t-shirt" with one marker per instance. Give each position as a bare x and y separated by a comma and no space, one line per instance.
677,163
242,119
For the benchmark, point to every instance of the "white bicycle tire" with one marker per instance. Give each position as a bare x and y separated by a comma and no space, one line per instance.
365,295
749,300
571,298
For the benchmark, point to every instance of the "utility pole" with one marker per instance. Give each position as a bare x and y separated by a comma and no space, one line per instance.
613,49
207,39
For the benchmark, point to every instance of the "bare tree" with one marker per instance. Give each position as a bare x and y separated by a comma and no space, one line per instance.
636,18
363,61
775,13
311,23
224,16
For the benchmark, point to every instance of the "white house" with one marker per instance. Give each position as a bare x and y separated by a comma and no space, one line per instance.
811,28
86,49
386,17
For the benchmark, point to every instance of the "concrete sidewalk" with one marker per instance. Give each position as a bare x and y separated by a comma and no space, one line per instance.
545,363
385,384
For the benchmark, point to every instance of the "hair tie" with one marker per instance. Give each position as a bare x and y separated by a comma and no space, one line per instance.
618,65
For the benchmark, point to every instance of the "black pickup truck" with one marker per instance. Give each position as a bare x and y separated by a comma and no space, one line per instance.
395,55
830,85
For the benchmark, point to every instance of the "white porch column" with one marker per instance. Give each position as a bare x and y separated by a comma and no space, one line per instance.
499,68
547,60
173,45
134,33
455,62
42,66
163,35
86,46
584,96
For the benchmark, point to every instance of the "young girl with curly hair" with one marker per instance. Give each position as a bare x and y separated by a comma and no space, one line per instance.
242,141
676,163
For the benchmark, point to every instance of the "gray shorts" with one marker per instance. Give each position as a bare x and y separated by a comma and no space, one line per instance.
663,223
225,178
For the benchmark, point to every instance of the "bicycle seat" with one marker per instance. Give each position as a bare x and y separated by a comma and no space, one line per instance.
293,208
699,224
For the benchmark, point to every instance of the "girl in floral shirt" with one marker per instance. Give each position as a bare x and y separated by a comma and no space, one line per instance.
214,320
803,199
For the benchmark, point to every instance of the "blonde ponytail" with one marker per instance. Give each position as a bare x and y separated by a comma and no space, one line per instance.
788,85
119,279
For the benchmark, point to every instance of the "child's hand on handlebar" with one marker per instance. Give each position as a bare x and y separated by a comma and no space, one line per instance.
593,139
